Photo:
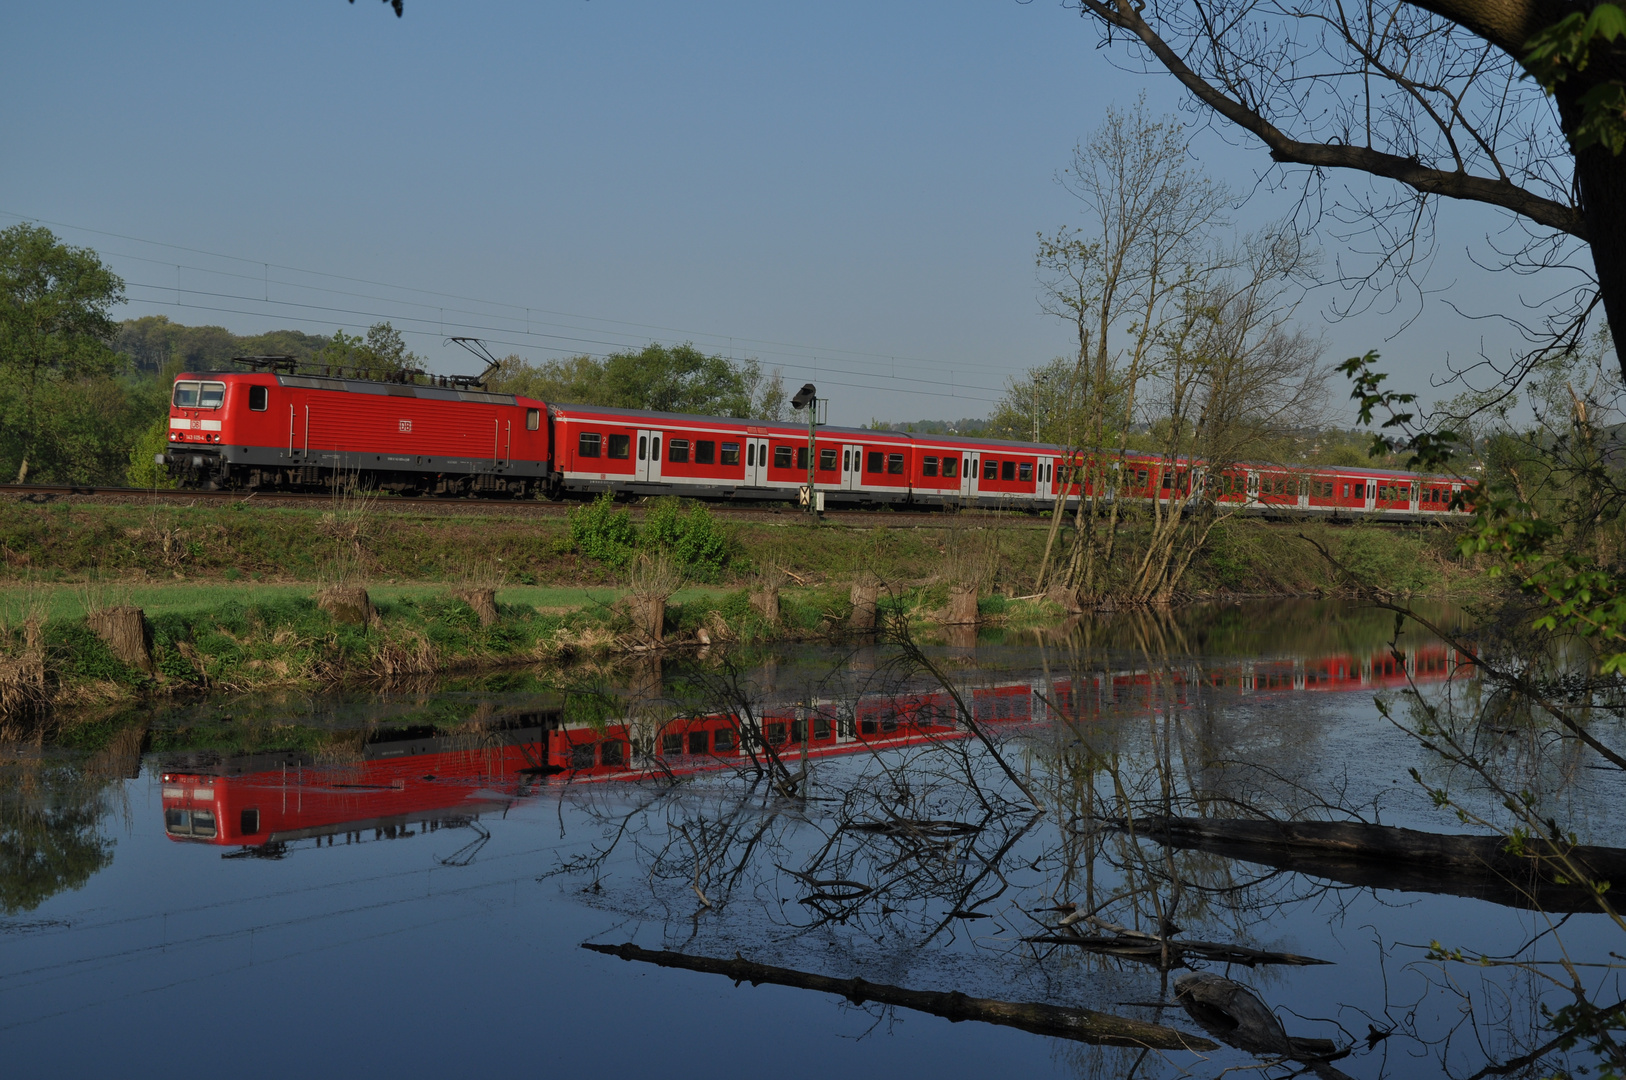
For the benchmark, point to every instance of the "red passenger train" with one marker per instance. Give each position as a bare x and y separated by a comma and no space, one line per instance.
280,430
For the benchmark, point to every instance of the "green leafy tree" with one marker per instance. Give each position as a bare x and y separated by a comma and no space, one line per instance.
661,378
55,302
381,353
144,470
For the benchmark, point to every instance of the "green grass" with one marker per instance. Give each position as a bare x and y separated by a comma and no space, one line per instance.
64,602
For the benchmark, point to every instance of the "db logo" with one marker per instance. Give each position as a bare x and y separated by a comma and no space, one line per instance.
406,425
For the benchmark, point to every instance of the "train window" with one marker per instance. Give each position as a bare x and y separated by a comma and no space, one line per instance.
1140,478
654,448
643,447
1007,470
533,419
894,464
678,450
722,741
928,466
846,460
620,446
248,822
212,395
889,723
705,452
672,743
798,731
776,734
781,457
186,395
613,753
751,455
951,467
1346,491
801,458
876,461
259,398
827,460
990,469
587,444
1024,472
731,453
581,756
697,742
821,727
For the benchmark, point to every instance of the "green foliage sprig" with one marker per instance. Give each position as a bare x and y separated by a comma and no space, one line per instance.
1566,49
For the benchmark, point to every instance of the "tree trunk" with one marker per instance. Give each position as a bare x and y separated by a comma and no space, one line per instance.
648,617
125,631
1601,178
766,601
484,603
864,597
1080,1025
962,609
346,604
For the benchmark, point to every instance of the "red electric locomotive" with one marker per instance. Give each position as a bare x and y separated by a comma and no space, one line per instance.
271,429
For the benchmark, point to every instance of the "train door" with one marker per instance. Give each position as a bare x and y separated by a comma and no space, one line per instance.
1371,502
1253,486
969,465
1043,469
1415,497
756,462
852,467
649,454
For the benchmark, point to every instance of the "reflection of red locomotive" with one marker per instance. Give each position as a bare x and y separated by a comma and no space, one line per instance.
420,782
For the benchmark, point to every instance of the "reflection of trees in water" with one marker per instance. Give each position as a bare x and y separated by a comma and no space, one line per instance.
51,815
932,859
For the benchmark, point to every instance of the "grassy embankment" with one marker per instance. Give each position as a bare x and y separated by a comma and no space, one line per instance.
228,590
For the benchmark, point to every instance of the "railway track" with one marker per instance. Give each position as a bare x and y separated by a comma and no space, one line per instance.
46,494
781,513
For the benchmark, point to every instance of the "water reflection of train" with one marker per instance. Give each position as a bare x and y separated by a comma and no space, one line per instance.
415,782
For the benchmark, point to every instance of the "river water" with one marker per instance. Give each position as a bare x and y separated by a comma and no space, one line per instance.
400,882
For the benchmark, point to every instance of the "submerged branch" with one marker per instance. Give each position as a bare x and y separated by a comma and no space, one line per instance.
1080,1025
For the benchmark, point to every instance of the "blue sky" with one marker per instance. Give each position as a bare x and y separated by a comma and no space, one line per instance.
849,191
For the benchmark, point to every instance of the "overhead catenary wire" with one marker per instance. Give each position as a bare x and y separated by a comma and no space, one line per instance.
521,330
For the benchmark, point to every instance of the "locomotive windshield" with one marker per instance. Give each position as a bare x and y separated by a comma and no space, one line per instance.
192,395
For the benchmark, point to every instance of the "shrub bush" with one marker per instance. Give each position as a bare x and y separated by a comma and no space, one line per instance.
601,532
693,539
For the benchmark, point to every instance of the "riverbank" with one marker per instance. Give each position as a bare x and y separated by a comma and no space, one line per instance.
226,600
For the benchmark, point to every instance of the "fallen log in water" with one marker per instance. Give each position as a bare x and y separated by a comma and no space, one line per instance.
1406,860
1080,1025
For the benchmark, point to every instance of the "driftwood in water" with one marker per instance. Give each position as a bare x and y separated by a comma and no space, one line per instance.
125,631
1080,1025
1233,1014
1406,860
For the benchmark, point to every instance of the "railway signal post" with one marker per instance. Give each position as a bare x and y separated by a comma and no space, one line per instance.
808,398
